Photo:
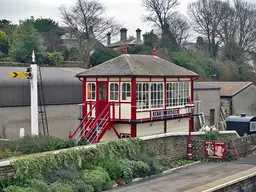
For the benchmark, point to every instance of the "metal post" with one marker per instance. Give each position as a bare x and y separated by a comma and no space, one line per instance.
190,137
34,100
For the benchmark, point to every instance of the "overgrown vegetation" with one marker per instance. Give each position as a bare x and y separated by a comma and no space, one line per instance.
93,169
35,144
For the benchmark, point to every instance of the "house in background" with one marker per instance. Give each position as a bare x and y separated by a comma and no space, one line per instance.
237,97
131,41
207,102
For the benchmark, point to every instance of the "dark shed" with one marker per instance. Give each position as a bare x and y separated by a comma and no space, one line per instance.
242,124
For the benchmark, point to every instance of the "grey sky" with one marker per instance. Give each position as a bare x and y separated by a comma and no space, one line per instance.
127,12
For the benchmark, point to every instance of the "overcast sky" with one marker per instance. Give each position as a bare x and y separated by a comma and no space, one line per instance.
127,12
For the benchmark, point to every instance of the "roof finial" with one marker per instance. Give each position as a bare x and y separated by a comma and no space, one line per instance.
125,48
154,50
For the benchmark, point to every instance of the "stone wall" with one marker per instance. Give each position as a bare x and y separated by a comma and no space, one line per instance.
170,145
247,185
174,145
6,172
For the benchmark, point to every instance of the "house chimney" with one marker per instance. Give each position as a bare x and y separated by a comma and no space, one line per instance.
108,38
123,33
199,41
138,33
90,32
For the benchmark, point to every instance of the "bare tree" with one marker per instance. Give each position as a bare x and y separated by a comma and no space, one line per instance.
160,14
246,25
160,11
88,22
206,18
180,28
238,30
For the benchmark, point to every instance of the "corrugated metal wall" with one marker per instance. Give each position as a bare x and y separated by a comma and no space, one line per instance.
59,88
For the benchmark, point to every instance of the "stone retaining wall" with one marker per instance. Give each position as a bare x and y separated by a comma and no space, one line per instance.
170,145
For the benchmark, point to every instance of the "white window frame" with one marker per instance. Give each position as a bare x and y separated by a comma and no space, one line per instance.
146,104
87,85
143,103
114,92
125,92
157,97
179,96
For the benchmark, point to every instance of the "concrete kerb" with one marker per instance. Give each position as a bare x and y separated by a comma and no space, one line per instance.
139,180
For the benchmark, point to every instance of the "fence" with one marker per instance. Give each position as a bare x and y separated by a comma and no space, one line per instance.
235,148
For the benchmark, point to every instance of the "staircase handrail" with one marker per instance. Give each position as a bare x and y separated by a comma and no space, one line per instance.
107,117
82,122
96,121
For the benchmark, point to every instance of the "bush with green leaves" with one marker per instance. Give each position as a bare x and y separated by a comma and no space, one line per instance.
18,189
98,178
38,185
211,135
54,58
35,144
59,186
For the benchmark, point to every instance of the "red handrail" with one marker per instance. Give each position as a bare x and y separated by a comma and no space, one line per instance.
95,122
82,122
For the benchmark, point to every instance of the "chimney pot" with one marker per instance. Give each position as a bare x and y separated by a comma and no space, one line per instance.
108,38
138,32
199,41
123,33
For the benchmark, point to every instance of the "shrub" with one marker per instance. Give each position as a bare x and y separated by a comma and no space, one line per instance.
141,169
149,159
35,144
211,135
61,187
14,188
67,174
38,185
54,58
98,179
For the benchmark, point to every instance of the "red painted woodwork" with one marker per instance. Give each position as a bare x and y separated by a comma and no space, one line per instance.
133,109
192,99
82,126
102,96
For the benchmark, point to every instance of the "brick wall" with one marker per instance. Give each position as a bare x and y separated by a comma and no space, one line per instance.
247,185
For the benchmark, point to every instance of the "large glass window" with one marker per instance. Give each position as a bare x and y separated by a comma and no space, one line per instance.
91,91
114,92
157,95
142,95
184,93
126,91
177,93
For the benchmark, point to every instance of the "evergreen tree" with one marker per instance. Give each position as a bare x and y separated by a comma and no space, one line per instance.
4,43
27,39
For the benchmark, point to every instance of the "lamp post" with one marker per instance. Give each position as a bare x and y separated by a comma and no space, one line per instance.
190,109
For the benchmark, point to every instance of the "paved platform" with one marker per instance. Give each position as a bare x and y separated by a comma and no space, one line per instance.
194,178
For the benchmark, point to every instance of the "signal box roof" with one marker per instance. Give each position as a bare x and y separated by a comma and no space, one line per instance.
137,65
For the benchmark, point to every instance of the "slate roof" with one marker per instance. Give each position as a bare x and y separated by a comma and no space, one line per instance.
137,65
229,89
203,86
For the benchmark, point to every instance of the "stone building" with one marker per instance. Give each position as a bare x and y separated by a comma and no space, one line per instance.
237,97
